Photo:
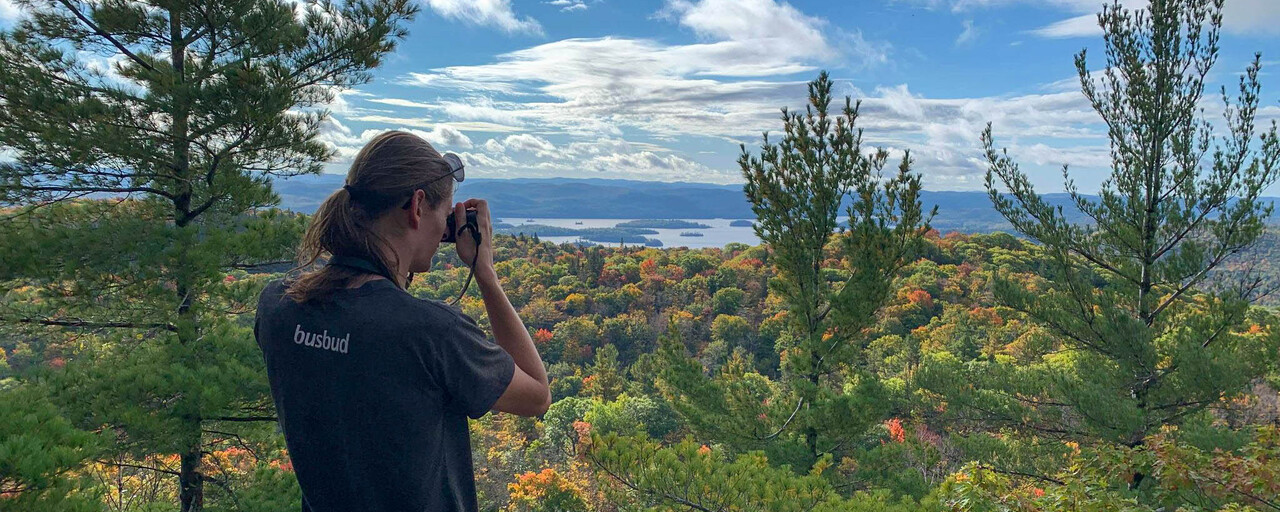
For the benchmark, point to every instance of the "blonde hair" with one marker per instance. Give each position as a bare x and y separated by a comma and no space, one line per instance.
383,176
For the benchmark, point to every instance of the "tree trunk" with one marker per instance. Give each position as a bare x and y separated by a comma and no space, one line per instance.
191,481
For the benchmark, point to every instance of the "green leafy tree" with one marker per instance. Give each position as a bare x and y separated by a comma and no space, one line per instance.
181,112
731,329
726,301
631,334
823,399
1147,341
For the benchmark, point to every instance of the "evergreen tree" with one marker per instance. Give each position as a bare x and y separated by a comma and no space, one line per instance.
180,112
687,476
606,377
824,399
39,453
1147,341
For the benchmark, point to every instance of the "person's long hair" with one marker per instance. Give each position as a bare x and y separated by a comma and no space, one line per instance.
383,176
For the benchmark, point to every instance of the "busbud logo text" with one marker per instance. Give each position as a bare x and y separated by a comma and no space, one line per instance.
322,340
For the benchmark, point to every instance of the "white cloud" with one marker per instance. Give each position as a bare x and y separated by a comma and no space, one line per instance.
647,165
1256,17
9,11
780,26
346,144
866,53
495,13
446,82
493,146
397,102
1083,25
596,86
478,126
480,108
444,137
594,90
614,105
900,101
569,5
969,34
1048,129
601,86
524,142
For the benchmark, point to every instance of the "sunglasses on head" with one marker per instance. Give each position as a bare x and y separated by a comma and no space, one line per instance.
456,169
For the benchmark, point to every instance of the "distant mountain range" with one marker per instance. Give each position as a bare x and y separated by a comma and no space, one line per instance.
627,199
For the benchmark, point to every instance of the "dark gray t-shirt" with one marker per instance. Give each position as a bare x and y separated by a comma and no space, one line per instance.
373,389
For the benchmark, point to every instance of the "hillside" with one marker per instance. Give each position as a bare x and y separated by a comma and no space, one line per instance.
967,212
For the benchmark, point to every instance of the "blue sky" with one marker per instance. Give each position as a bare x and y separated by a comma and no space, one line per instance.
668,89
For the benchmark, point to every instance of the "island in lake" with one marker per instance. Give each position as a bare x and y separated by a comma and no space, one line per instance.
690,233
740,223
602,235
662,224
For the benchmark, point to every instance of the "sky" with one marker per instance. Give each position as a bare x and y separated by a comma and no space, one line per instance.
668,90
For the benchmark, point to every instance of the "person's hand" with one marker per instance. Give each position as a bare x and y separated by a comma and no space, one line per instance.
466,245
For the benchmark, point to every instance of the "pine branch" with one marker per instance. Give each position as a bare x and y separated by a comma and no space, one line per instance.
246,266
93,325
799,404
244,419
90,190
653,493
136,466
120,46
1011,472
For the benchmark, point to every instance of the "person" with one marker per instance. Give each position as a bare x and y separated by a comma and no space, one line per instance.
373,386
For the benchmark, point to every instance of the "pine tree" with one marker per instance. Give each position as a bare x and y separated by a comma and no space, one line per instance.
689,476
39,452
146,136
1148,340
823,400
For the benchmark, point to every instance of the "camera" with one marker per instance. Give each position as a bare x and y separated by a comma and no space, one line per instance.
451,229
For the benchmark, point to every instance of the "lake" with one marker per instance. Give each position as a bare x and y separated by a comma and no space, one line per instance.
719,234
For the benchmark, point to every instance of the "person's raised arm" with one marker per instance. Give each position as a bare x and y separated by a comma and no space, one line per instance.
529,393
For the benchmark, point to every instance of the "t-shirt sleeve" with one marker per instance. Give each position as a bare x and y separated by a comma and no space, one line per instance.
473,370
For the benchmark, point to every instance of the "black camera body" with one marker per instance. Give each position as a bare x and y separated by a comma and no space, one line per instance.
451,229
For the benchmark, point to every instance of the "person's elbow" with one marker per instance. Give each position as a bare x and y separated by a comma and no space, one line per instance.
545,403
525,396
539,404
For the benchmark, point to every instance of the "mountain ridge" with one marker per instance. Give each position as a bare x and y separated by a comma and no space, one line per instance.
599,198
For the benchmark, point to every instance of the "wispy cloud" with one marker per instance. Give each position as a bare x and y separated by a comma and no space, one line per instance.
570,5
1252,17
491,13
969,34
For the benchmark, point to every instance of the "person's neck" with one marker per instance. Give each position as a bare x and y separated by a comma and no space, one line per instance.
404,247
364,279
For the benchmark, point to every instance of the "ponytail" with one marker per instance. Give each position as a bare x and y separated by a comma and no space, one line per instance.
385,172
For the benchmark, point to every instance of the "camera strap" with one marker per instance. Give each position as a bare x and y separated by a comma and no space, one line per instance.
359,263
471,273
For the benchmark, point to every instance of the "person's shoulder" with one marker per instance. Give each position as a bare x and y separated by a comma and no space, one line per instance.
436,311
274,291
